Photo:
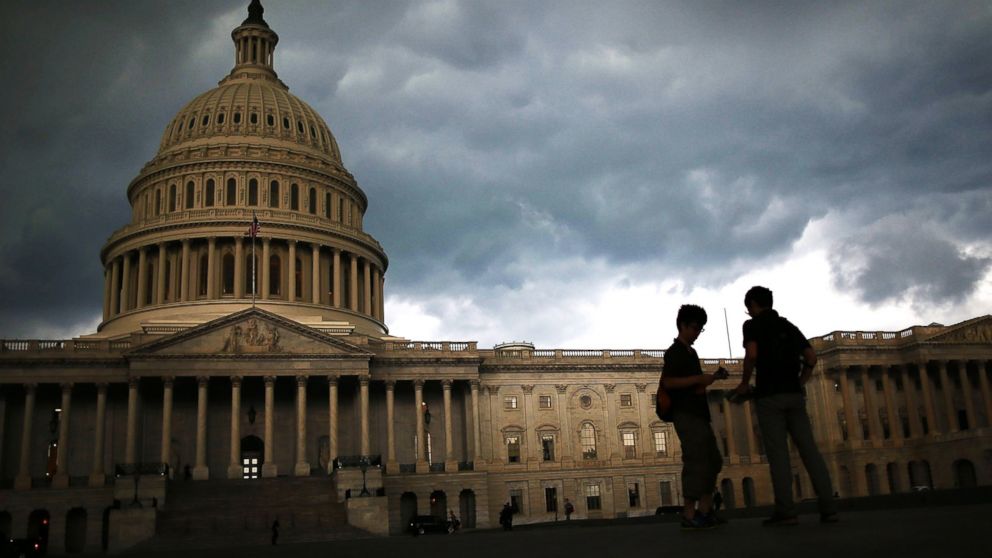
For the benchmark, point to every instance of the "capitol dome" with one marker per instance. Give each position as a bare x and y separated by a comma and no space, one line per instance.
245,149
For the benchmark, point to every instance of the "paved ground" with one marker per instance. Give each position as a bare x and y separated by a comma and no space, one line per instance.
961,531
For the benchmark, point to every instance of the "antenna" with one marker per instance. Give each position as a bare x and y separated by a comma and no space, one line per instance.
730,352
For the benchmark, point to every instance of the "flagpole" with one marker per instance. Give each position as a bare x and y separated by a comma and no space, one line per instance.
253,272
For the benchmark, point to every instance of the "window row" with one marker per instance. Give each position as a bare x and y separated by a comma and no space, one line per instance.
512,402
275,196
587,442
285,125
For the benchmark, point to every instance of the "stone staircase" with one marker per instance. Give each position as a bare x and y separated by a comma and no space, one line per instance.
214,513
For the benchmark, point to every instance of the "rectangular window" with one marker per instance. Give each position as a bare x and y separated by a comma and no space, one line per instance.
634,495
629,445
626,400
660,443
666,493
517,501
513,449
592,497
544,401
548,447
550,499
510,402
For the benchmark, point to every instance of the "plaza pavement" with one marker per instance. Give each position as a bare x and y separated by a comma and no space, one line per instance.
931,531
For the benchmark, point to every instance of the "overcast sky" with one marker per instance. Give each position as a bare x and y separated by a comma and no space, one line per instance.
566,173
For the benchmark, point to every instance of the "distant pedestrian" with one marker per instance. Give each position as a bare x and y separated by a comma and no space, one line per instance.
275,532
187,474
569,510
717,501
506,517
453,520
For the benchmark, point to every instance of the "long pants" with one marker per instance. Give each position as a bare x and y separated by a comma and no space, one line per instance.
784,414
701,458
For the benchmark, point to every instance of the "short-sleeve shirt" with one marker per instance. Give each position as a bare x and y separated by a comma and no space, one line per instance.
681,361
780,349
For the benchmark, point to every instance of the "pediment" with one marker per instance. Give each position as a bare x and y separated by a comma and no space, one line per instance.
250,333
977,330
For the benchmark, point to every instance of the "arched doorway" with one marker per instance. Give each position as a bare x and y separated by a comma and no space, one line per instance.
252,457
439,504
727,490
892,472
408,508
964,474
871,478
38,523
5,524
919,475
75,530
846,483
466,508
749,499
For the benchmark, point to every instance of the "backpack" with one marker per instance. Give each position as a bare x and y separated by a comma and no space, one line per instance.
663,403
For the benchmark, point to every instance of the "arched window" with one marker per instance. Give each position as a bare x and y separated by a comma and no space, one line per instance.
275,276
172,198
273,194
252,192
327,205
227,270
189,195
299,277
208,198
341,210
168,279
231,197
588,440
158,202
220,118
294,197
204,278
313,201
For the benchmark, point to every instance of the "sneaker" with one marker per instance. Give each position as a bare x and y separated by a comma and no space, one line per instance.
829,517
781,521
697,523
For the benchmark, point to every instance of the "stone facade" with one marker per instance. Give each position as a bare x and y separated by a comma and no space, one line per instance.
189,374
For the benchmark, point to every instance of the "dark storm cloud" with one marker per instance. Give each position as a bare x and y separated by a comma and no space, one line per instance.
692,138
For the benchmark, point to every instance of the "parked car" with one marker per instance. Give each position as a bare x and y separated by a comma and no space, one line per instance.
421,524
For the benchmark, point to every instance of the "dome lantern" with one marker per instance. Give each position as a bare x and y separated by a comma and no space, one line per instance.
254,44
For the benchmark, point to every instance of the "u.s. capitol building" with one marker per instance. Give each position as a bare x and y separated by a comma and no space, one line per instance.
198,409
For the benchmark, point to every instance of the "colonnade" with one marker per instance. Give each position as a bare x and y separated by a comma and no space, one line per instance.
921,409
213,268
200,470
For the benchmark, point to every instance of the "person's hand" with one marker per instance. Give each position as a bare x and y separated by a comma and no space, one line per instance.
708,379
742,388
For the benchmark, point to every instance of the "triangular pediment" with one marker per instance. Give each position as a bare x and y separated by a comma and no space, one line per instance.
250,333
975,330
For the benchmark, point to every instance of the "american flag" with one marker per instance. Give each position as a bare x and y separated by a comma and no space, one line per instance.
254,228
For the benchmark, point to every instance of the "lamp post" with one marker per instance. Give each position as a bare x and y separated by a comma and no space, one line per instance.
363,462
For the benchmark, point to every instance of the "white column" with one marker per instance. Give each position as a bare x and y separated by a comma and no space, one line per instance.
264,265
476,427
391,465
166,454
912,406
126,284
302,468
131,441
23,480
418,403
239,268
115,287
332,423
367,287
269,468
234,463
315,273
184,272
969,404
61,479
336,277
291,279
376,294
363,395
201,471
353,283
449,449
160,275
871,410
983,381
142,277
728,426
895,421
752,443
98,476
211,268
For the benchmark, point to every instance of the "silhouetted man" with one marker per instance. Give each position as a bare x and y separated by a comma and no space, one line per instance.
784,361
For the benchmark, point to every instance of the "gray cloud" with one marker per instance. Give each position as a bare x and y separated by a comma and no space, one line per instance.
678,136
